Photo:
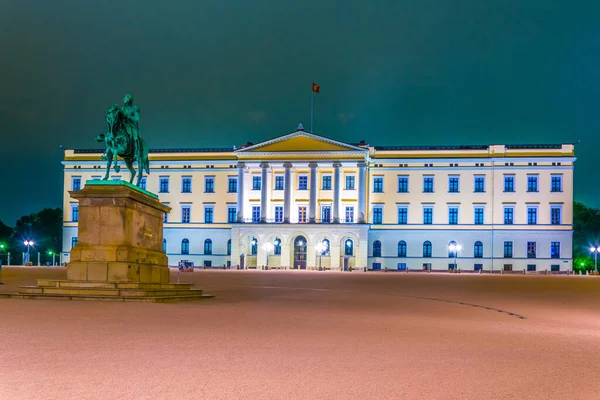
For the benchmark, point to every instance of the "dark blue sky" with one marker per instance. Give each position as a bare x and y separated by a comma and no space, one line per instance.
219,73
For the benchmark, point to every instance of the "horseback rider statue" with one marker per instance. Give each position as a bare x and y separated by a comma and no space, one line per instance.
123,140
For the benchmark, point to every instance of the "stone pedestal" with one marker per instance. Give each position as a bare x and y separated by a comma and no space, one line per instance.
119,255
120,235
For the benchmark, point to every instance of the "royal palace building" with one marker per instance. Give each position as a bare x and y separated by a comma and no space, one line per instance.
302,201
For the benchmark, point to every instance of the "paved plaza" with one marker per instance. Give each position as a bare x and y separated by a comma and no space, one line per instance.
310,335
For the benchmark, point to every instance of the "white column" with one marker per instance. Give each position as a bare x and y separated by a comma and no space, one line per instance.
264,185
287,195
313,193
337,187
362,216
240,192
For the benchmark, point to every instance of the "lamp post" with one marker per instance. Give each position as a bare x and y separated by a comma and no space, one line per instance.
267,247
28,243
454,248
53,254
321,247
595,250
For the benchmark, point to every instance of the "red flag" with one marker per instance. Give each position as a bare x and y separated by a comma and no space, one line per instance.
316,88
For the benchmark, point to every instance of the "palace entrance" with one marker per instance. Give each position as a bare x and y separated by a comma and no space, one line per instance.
299,253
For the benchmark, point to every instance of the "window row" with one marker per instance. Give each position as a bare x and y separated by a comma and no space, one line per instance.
479,183
208,246
454,249
478,214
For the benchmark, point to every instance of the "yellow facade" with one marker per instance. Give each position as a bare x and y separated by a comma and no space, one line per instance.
363,205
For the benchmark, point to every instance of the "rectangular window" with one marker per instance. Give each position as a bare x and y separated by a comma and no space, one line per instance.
478,215
509,213
208,215
378,184
75,212
453,215
256,182
232,185
555,268
403,184
209,184
377,215
116,178
143,183
255,214
428,215
555,250
479,184
279,214
74,241
532,215
326,182
278,182
401,266
508,249
76,183
530,267
509,183
186,184
326,214
556,183
163,185
531,249
349,182
302,214
349,215
403,215
165,216
231,214
185,214
303,182
555,212
453,184
532,183
428,184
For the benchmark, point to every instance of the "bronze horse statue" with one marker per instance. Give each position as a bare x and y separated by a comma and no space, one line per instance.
120,143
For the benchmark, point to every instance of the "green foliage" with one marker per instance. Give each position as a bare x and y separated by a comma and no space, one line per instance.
5,235
43,227
583,263
586,229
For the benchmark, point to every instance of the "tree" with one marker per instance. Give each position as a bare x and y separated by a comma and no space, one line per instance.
43,227
586,229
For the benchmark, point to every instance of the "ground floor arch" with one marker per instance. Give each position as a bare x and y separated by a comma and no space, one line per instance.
299,254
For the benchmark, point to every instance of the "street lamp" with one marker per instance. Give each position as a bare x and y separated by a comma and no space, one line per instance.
595,250
321,247
454,248
267,247
53,254
28,243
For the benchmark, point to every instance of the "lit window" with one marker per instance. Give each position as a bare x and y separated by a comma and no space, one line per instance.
403,184
186,184
378,184
480,184
428,184
453,184
209,184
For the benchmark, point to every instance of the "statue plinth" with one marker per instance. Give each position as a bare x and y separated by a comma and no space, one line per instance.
120,235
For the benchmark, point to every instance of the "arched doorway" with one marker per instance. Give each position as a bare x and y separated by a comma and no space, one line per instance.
299,253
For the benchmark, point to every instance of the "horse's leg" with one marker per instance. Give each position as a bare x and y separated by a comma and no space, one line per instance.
109,159
129,164
117,168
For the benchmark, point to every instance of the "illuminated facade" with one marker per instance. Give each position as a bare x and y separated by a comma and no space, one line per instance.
302,201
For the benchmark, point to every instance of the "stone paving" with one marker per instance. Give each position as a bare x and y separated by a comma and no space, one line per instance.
310,335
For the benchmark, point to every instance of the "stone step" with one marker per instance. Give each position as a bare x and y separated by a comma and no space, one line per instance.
111,285
99,291
158,299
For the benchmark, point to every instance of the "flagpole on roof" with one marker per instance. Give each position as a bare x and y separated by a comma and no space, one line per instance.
312,106
315,89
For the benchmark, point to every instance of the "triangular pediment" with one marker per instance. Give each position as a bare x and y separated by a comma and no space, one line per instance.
300,141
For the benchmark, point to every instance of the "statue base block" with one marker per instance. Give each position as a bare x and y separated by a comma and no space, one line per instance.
119,255
120,235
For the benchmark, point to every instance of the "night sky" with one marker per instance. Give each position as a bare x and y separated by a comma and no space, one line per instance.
221,73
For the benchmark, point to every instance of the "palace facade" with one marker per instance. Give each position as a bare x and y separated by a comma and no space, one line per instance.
302,200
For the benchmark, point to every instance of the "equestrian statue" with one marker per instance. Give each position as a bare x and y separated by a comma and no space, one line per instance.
123,140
